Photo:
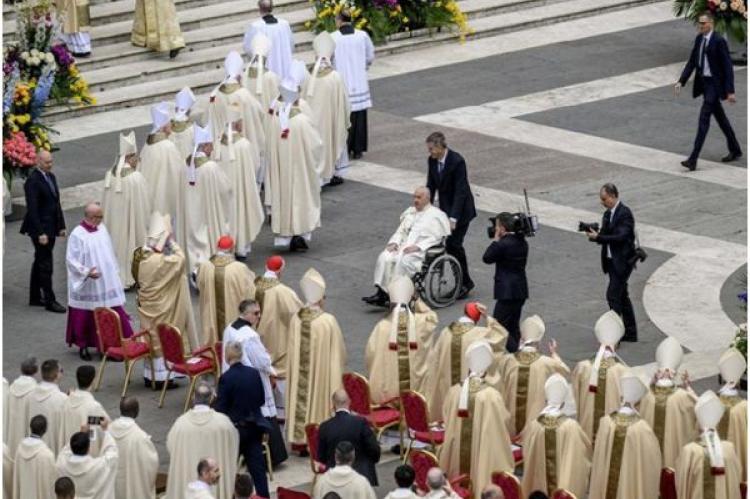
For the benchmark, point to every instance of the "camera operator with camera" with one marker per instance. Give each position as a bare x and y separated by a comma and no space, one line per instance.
509,252
619,254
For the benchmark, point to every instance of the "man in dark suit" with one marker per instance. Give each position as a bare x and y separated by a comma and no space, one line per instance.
509,251
446,177
714,79
617,239
345,426
43,223
240,397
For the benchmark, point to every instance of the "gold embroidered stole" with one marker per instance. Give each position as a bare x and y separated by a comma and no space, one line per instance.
457,330
404,367
180,126
156,137
661,396
709,479
228,88
524,359
467,427
201,160
306,315
263,284
550,425
600,397
138,255
220,263
621,424
729,401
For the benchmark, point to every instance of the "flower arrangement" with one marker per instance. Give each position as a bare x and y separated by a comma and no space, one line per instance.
730,17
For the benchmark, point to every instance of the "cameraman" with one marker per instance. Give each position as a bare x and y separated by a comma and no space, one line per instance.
509,252
617,239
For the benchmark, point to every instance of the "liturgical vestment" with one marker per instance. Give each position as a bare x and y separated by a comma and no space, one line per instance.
138,461
344,481
317,356
75,412
182,135
627,460
733,425
17,407
557,455
393,371
671,413
695,479
253,114
480,443
34,471
282,42
223,283
593,405
269,86
93,475
199,433
155,26
278,303
47,399
7,472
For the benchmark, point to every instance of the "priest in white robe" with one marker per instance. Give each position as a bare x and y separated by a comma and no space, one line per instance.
127,206
16,408
258,78
208,476
34,470
138,460
342,478
421,227
354,54
47,399
326,93
279,32
93,281
81,405
92,474
182,122
198,433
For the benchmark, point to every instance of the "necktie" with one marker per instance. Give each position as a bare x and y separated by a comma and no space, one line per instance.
441,165
701,55
607,218
50,184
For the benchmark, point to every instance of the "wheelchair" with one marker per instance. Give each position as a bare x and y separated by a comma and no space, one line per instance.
439,280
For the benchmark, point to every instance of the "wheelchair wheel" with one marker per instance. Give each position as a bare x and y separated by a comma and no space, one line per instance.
442,281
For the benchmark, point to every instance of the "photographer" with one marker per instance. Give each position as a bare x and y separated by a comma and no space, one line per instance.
509,252
617,239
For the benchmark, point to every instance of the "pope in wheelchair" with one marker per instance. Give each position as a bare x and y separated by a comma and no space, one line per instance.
422,226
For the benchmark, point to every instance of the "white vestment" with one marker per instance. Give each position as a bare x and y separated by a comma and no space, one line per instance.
48,400
354,54
34,472
345,482
94,477
282,43
182,136
424,229
7,473
198,490
138,461
75,412
85,251
17,411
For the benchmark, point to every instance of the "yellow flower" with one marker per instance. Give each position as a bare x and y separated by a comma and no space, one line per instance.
404,19
356,12
338,8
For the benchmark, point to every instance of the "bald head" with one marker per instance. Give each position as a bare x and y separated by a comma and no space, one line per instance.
492,491
265,6
44,160
421,198
203,394
340,399
93,213
233,352
435,479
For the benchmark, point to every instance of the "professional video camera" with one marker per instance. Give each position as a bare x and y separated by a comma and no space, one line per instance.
523,222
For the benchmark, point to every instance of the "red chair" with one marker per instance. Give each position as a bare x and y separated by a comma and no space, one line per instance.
667,484
380,417
517,456
201,361
417,418
114,347
317,464
282,493
563,494
421,461
508,482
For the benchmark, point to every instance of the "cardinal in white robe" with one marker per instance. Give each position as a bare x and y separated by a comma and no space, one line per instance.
92,474
93,281
258,78
127,206
279,32
34,471
421,227
47,399
182,123
16,410
733,424
138,460
80,406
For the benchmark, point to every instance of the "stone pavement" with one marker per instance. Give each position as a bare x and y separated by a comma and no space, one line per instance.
622,125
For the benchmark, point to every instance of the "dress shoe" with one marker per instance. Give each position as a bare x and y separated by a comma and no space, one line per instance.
731,157
84,354
36,303
336,180
357,155
171,385
465,290
82,55
379,299
55,307
690,164
298,243
173,53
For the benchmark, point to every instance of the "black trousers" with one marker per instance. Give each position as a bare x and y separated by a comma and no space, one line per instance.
712,106
40,289
454,245
508,313
619,300
356,141
251,449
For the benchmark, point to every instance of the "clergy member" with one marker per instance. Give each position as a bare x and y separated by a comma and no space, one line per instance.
326,93
156,27
200,432
526,371
163,294
627,459
223,283
127,206
397,355
556,450
295,163
47,399
208,476
80,406
34,471
342,479
76,25
182,123
317,356
16,408
667,407
353,56
477,441
93,281
258,78
278,32
709,467
448,354
733,424
93,475
138,461
596,383
421,227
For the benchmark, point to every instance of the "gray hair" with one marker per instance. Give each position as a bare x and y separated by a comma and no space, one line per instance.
435,478
203,394
233,350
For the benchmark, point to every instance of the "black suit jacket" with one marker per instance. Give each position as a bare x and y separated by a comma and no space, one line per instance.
452,186
619,236
509,255
241,396
355,429
44,214
719,61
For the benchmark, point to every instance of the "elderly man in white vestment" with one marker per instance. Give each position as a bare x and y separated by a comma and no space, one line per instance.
80,406
421,227
16,408
279,32
342,479
92,474
198,433
138,461
733,424
326,93
258,78
182,123
47,399
127,206
34,471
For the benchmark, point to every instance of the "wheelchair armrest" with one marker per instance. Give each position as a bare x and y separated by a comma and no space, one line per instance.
434,251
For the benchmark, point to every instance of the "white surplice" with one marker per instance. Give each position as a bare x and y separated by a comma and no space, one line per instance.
354,54
94,477
85,251
34,473
282,43
138,461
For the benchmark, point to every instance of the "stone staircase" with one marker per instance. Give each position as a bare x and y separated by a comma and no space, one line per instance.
121,75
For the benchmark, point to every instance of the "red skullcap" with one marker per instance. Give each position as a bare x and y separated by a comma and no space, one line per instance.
225,243
472,311
274,263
